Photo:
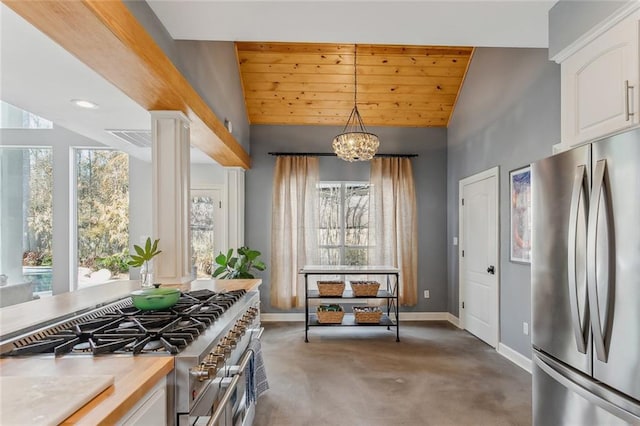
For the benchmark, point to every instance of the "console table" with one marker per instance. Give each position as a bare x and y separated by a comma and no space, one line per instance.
390,294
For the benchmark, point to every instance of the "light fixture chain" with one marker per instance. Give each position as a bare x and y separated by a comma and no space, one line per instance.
355,74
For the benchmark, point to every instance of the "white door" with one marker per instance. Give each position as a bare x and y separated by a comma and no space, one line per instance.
479,255
207,229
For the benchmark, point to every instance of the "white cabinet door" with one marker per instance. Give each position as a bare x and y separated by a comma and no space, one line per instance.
151,410
600,85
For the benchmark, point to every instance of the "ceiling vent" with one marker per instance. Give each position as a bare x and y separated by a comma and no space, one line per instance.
139,138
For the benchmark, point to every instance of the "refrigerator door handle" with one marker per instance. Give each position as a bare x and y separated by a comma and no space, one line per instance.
618,406
597,191
579,322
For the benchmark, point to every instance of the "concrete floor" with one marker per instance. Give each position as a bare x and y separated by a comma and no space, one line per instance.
436,375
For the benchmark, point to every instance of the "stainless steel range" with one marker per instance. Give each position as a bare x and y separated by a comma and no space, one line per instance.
208,333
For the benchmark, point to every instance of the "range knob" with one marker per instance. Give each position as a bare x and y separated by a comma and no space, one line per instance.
230,340
226,350
201,372
214,361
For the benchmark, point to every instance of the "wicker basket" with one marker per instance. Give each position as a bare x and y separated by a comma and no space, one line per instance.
365,288
331,288
367,314
330,317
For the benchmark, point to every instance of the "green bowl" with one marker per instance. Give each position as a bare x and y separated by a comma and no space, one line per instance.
154,299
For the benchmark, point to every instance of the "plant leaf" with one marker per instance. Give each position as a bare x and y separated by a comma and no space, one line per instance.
139,250
147,245
219,271
154,248
221,259
259,265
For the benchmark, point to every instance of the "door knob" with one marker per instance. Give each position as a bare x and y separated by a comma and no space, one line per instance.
491,269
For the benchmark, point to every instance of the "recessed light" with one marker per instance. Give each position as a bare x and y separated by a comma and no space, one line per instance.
84,104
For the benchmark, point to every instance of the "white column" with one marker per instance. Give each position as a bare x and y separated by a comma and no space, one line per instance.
234,199
11,214
171,205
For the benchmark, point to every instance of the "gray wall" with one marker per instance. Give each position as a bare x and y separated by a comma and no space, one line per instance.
508,115
570,19
429,175
211,68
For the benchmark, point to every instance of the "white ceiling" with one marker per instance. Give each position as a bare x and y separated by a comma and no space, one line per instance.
39,76
508,23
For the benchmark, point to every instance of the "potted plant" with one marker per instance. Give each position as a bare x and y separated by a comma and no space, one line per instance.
239,266
142,258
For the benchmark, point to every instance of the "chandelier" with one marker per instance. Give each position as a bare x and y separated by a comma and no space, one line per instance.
355,143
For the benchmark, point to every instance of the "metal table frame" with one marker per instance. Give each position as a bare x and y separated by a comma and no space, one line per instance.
391,294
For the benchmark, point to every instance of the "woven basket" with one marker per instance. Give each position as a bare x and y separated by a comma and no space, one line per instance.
365,288
330,317
367,314
331,288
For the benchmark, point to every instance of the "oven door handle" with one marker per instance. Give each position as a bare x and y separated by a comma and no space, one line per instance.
232,387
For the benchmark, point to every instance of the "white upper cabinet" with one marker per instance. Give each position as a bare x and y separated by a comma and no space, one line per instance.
600,85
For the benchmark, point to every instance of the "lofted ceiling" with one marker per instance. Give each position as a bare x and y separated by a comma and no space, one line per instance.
313,84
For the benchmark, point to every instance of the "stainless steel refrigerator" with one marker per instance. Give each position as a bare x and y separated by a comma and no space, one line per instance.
585,282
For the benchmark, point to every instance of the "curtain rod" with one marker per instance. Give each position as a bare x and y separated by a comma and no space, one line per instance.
330,154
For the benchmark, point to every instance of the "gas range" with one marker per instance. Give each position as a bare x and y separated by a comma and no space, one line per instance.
122,328
207,333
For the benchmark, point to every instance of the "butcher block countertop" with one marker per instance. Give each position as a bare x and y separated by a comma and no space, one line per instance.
133,378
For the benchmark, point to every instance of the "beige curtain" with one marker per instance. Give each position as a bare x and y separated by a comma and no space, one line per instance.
293,228
395,222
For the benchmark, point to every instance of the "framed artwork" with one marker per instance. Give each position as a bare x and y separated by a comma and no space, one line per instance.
520,191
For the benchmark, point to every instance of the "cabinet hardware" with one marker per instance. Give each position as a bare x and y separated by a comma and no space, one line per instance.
627,108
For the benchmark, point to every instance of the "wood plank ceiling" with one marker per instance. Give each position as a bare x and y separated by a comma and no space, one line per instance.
313,84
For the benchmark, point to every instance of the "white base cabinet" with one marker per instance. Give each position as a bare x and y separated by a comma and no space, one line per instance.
601,85
151,410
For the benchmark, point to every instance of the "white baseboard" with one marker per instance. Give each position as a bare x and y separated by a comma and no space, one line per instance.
514,356
453,319
404,316
282,317
423,316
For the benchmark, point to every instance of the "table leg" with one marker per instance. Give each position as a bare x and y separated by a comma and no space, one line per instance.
397,309
306,308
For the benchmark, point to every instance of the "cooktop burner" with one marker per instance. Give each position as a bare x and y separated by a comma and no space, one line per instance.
130,330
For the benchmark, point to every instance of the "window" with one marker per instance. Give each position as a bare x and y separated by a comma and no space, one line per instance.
12,117
206,216
102,196
343,235
26,224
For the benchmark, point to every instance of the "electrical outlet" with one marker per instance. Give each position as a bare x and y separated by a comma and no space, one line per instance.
525,328
455,241
427,294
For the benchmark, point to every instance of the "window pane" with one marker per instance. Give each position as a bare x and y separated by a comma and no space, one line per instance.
356,256
357,237
202,234
356,215
26,197
329,256
102,178
329,200
12,117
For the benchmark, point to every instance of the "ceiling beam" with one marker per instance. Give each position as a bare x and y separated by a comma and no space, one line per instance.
108,38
